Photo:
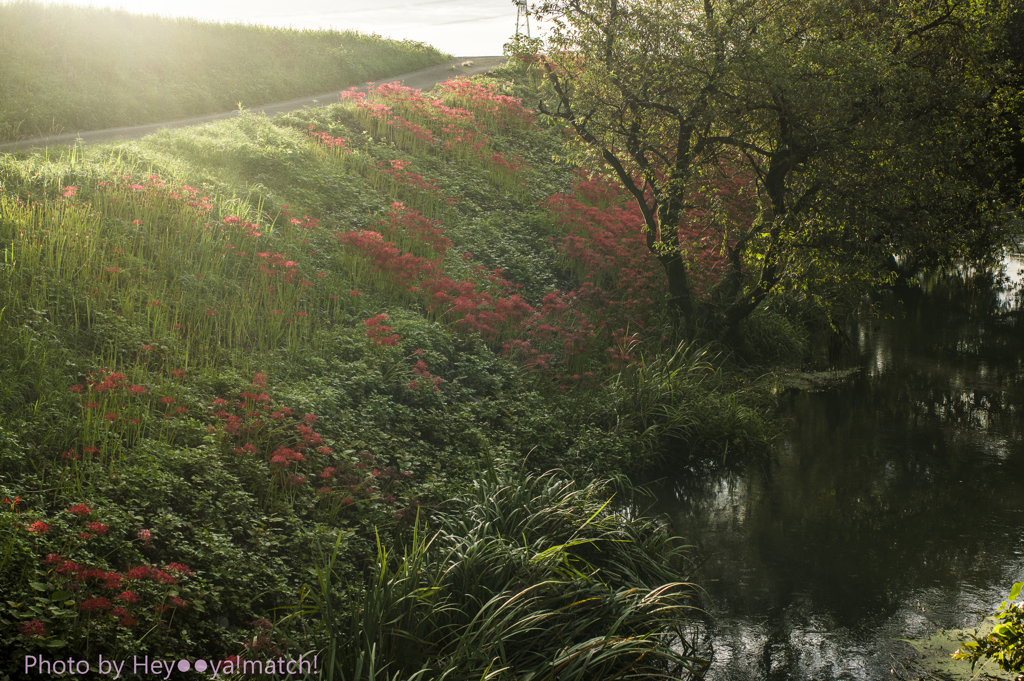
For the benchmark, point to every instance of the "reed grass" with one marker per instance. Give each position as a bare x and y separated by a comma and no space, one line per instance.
67,68
533,577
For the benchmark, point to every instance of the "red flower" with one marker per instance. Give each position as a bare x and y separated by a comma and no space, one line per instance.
35,628
141,572
110,417
94,604
80,509
137,389
38,527
98,527
128,597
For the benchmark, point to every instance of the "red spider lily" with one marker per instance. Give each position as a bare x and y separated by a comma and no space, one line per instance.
38,527
34,628
128,597
80,509
94,604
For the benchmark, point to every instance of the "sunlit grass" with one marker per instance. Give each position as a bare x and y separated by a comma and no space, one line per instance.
67,69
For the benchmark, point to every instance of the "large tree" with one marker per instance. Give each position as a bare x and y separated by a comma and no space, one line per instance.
856,132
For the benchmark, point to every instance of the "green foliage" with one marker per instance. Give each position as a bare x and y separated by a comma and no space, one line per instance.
1005,643
770,336
794,144
678,398
531,577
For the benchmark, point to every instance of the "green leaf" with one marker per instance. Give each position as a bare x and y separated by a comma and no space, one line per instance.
38,586
61,596
1015,591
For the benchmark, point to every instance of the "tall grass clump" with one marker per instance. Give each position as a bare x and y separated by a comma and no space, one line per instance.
532,577
677,398
66,68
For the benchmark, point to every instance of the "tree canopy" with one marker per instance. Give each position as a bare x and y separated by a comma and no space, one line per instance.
792,143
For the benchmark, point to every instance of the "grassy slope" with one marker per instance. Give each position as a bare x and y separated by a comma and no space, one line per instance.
73,68
139,272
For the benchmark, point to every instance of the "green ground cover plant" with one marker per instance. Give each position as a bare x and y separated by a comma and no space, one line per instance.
266,384
66,68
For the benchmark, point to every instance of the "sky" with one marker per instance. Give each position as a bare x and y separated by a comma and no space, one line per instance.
460,27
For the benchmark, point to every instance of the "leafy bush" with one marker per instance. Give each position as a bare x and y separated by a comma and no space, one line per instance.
1005,643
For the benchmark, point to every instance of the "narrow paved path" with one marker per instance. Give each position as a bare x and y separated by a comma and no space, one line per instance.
423,80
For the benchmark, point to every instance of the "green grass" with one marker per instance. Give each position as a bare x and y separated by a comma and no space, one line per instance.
190,346
67,69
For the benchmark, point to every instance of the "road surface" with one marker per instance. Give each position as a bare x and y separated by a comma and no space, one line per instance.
422,80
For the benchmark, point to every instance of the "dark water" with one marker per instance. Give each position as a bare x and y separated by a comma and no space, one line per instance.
894,505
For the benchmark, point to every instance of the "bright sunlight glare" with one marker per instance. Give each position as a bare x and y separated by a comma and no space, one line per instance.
459,27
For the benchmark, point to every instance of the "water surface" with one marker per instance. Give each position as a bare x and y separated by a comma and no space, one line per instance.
893,505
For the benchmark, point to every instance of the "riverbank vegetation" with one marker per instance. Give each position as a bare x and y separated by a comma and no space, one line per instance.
270,383
67,69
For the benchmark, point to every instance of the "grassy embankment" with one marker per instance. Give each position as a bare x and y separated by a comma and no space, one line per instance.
69,69
279,386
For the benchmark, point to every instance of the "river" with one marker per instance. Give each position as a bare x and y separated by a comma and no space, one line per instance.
893,505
